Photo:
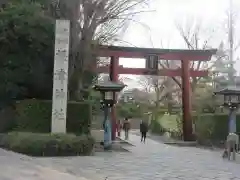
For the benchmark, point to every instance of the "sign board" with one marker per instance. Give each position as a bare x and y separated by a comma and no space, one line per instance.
60,77
152,62
107,129
232,122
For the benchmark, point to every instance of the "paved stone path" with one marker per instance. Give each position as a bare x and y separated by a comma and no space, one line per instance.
19,167
149,161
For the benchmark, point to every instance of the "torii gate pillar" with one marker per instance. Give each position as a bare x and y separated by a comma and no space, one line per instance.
114,63
186,102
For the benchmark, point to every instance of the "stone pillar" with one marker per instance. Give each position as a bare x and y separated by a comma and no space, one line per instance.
60,79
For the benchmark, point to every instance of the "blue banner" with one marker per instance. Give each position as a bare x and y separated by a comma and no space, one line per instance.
107,129
232,122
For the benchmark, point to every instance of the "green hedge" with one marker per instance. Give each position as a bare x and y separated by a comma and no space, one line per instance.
131,110
213,127
156,127
35,144
7,116
35,116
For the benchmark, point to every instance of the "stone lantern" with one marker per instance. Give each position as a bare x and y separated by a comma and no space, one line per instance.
108,91
231,101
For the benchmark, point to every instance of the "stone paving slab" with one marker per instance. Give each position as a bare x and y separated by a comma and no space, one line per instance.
20,172
167,140
149,161
15,166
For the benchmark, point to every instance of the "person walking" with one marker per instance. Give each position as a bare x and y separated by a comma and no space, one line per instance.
143,130
126,128
119,128
231,147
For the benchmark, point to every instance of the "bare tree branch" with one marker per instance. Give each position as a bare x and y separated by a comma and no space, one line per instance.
99,21
191,37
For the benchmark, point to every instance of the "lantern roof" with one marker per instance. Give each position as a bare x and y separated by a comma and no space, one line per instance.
109,86
229,91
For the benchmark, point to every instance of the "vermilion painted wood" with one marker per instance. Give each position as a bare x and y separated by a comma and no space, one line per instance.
144,71
113,72
186,56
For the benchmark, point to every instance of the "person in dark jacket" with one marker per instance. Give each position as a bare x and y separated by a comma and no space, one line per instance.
143,130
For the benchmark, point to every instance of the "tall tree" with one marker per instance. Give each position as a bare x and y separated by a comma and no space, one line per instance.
93,22
231,43
26,46
194,40
224,69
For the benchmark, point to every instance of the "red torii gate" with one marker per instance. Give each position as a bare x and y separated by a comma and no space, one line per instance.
116,52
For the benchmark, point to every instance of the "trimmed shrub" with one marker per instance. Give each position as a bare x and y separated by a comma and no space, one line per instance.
35,116
7,116
211,126
130,110
157,128
35,144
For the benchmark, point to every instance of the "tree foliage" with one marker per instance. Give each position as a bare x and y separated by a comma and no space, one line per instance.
163,90
26,51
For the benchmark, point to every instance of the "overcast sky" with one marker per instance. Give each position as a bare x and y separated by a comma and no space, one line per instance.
158,28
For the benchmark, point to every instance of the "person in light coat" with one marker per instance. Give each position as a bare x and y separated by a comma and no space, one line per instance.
126,127
232,146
